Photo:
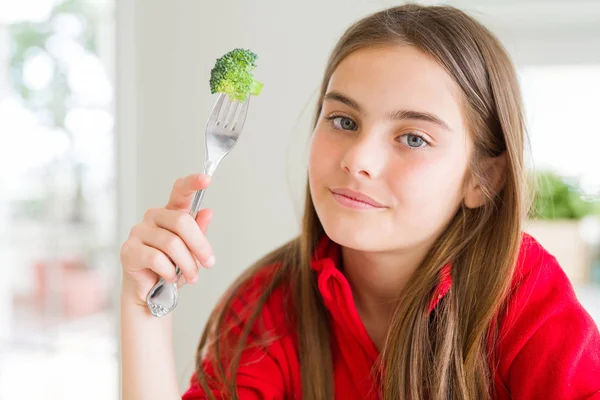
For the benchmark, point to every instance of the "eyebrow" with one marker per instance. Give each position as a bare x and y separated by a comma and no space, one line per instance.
394,115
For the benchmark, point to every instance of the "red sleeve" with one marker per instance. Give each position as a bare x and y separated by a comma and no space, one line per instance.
266,371
549,345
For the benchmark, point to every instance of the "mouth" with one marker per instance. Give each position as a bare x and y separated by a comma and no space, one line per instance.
354,199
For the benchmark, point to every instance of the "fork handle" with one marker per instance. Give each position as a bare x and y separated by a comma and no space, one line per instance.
198,196
162,298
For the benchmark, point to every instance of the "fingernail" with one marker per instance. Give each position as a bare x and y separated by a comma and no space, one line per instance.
194,279
210,262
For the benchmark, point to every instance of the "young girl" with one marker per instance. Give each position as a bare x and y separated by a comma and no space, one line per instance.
411,277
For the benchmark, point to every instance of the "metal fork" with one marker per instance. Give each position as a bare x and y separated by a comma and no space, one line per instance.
223,130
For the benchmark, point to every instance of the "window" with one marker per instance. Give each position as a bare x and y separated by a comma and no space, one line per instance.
562,104
57,208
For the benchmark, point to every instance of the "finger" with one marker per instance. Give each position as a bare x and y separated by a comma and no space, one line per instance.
181,282
184,226
203,219
184,189
174,248
155,260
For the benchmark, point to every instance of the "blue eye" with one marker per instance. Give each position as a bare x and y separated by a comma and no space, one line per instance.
413,141
343,123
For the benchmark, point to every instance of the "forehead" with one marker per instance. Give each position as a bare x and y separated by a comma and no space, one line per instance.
385,78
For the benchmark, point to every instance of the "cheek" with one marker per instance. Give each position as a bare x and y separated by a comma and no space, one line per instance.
323,156
431,183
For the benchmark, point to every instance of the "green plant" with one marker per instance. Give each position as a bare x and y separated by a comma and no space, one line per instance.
556,197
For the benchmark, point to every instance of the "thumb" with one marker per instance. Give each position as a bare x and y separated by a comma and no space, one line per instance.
204,218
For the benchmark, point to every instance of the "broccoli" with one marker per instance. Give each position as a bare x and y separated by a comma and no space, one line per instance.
232,75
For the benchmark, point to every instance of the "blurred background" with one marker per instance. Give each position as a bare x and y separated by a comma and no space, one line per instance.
103,105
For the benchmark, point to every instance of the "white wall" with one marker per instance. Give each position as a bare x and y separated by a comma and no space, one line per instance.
165,52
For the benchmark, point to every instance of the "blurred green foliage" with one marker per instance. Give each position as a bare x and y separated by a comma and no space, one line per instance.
556,197
52,102
28,37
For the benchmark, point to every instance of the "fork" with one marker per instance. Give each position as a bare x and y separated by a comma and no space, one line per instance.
223,130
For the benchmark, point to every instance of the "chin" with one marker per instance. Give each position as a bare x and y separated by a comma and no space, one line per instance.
354,234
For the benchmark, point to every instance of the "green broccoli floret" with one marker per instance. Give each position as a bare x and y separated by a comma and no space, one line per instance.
232,75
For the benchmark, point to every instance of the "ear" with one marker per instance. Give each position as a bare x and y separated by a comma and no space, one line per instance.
494,173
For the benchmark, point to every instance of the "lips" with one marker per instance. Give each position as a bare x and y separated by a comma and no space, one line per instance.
357,196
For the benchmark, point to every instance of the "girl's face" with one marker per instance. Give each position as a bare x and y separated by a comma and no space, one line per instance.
391,128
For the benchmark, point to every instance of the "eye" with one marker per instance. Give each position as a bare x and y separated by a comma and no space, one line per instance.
342,123
413,141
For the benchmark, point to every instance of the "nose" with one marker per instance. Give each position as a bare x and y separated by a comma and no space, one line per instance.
365,157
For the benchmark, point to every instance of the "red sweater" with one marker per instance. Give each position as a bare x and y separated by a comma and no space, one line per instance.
549,346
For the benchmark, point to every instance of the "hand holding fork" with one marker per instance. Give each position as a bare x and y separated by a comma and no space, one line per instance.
162,237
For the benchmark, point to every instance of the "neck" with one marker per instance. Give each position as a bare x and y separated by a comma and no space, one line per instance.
377,280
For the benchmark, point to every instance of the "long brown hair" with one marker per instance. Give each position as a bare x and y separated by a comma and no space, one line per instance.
447,355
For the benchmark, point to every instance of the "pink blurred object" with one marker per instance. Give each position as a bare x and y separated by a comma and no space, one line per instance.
81,290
